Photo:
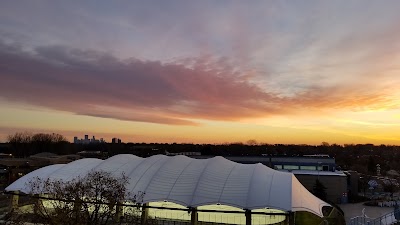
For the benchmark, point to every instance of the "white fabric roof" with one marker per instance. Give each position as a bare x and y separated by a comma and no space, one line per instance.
193,182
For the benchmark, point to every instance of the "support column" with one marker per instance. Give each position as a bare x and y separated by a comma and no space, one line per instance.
286,221
248,217
194,216
77,205
119,211
14,200
145,213
38,205
291,218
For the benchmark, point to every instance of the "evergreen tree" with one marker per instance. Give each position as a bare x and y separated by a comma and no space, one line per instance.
319,190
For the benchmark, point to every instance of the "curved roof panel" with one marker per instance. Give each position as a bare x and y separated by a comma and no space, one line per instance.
194,182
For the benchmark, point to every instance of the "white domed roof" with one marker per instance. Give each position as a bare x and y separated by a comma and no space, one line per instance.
193,182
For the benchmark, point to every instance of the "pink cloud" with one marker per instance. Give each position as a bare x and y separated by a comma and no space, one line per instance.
97,84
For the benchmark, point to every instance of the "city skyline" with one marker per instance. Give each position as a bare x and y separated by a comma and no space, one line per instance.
301,72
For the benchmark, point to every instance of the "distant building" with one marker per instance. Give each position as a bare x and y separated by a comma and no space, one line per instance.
182,153
4,155
86,140
14,168
116,141
93,154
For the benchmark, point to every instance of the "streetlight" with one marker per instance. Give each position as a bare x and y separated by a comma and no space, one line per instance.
319,165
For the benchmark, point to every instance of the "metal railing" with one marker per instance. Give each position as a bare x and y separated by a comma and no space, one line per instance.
387,219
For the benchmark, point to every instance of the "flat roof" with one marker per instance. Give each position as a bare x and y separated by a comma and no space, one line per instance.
316,172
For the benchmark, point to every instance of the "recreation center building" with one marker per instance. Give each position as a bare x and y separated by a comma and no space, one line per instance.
214,190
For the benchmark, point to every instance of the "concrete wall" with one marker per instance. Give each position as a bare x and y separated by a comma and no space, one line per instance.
335,185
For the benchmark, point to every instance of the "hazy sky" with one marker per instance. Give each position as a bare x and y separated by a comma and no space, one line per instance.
202,71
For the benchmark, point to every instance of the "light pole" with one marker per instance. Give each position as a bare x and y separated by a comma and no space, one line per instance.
319,165
378,170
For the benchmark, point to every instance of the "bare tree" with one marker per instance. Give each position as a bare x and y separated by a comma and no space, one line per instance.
20,141
19,137
48,138
25,144
94,199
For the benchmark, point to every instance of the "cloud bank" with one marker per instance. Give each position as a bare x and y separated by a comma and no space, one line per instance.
96,83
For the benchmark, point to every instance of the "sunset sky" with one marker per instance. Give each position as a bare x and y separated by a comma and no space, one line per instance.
299,72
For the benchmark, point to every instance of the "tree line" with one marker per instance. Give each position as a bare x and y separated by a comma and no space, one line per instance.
359,157
24,144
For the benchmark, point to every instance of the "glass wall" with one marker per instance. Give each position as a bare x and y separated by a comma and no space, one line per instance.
236,217
267,219
168,214
219,217
290,167
178,214
308,167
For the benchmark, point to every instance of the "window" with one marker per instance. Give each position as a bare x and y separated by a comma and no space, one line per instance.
308,168
290,167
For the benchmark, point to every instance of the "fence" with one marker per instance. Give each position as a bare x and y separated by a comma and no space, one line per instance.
171,213
386,219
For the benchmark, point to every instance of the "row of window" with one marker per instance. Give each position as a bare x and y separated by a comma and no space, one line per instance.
294,167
